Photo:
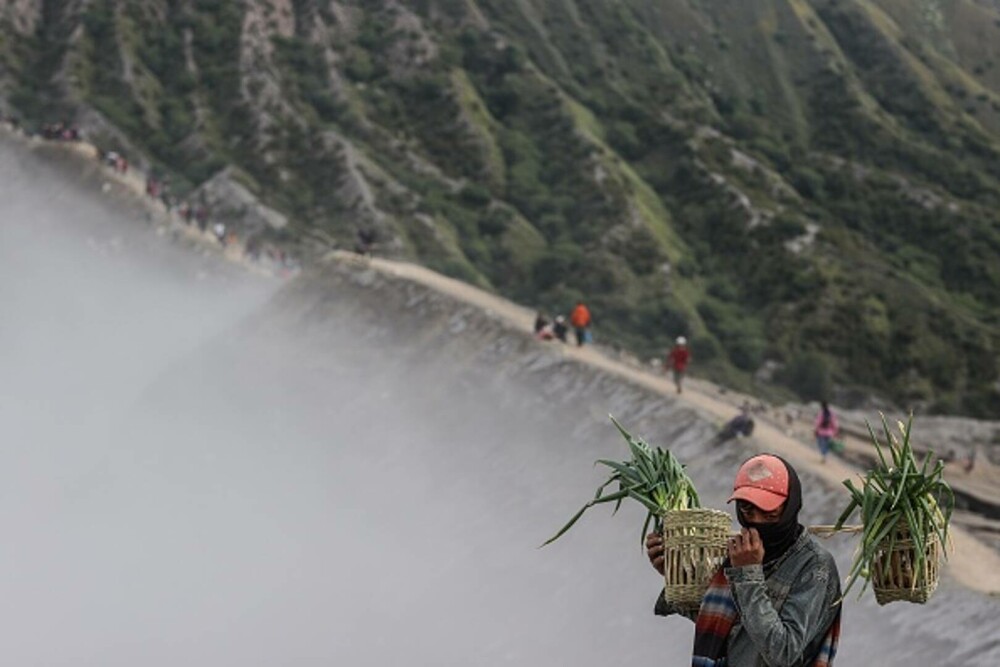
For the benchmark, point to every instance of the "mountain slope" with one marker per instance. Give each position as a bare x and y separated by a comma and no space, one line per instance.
808,189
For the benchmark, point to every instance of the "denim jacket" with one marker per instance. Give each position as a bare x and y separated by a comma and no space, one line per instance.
784,611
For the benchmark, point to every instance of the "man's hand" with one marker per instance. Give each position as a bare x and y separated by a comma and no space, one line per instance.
654,549
744,549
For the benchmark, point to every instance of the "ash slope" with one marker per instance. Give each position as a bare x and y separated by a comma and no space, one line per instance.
357,470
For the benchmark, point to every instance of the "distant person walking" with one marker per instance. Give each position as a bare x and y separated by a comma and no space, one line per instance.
826,429
677,361
540,322
970,462
580,319
543,329
219,229
365,244
559,328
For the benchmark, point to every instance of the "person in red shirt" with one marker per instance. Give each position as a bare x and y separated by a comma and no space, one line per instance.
580,319
677,361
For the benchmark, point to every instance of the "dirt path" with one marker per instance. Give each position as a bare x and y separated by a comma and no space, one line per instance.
971,563
133,182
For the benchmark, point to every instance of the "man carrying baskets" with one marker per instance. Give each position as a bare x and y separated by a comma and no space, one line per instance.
775,599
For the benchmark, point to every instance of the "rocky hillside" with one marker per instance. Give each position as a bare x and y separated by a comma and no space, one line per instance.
809,189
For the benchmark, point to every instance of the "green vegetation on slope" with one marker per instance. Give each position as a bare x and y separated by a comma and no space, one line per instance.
805,186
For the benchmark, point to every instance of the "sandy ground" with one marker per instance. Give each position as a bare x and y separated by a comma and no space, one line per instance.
971,563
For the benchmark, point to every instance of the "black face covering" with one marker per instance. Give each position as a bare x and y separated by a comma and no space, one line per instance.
780,536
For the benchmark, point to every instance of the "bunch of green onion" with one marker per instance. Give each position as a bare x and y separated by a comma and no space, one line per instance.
653,477
899,497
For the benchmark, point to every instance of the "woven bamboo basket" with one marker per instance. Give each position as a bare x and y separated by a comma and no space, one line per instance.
694,547
894,576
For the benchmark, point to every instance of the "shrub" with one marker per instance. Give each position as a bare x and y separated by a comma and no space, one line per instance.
623,138
808,375
494,222
359,66
746,352
475,195
705,349
808,182
556,266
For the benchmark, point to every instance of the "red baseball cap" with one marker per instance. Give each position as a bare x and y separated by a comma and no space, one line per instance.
763,481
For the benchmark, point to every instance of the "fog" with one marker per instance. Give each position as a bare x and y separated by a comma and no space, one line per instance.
202,467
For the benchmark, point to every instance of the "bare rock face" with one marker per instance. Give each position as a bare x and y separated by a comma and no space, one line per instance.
97,128
359,188
232,202
23,15
961,435
417,47
260,81
335,26
465,13
945,436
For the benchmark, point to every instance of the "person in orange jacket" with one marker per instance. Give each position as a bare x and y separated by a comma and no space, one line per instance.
580,319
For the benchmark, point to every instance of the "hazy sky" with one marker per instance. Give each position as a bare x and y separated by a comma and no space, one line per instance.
184,480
